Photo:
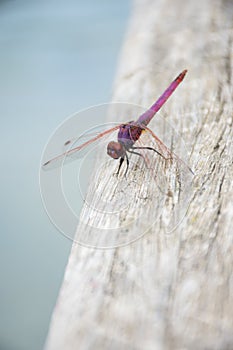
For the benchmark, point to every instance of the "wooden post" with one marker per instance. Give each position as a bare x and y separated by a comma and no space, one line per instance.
165,291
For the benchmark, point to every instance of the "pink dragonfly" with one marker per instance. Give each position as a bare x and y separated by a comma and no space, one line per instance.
128,134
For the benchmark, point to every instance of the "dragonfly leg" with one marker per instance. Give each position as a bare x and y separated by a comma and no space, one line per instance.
127,161
120,164
152,149
137,153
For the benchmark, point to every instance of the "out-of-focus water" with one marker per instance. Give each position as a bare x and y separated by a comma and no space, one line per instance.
55,58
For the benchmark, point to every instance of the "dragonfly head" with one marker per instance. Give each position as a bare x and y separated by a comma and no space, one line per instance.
115,149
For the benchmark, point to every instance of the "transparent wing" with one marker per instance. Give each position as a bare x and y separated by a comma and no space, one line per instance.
158,158
154,156
173,177
81,139
166,153
77,147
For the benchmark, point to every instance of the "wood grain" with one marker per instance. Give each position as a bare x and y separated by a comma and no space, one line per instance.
167,289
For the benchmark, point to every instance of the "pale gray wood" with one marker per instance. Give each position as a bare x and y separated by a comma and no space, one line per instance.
164,291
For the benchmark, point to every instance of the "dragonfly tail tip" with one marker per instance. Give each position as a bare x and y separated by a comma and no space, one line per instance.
181,76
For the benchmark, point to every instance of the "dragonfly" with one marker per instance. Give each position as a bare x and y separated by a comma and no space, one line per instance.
128,135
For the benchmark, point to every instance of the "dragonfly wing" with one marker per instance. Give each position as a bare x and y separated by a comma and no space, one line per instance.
72,142
166,152
76,148
149,139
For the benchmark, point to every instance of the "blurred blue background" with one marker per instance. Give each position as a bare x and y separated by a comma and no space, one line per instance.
55,59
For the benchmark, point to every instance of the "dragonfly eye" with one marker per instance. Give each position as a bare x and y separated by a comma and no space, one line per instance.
115,149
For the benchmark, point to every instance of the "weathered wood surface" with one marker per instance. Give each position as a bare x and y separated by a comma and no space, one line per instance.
166,291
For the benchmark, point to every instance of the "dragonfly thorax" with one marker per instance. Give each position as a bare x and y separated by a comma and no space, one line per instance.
128,134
